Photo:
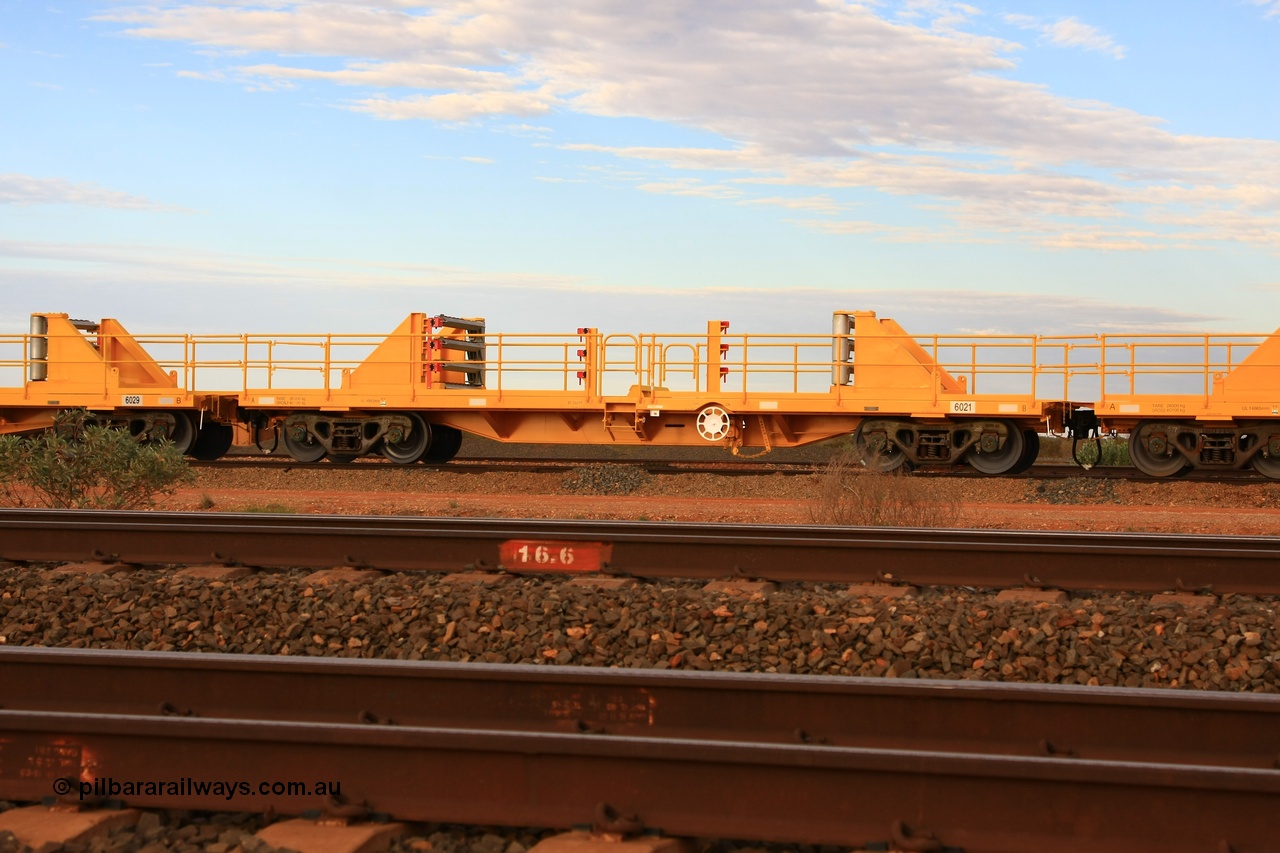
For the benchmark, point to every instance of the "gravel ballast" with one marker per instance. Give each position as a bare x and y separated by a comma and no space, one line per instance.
1102,639
1099,639
184,832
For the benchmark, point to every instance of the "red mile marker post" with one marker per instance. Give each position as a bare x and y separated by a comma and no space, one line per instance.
552,555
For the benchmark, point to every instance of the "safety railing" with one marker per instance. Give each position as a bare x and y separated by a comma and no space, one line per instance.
989,364
1081,368
1174,365
1089,368
15,360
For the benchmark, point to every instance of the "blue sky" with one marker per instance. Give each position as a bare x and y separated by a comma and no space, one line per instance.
279,166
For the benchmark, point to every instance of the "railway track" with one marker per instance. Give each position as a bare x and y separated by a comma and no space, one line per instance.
813,760
1137,562
726,468
485,465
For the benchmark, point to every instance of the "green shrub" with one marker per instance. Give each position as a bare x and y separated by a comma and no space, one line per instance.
79,464
1115,451
1057,451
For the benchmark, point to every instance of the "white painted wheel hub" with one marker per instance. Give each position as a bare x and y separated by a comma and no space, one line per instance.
713,423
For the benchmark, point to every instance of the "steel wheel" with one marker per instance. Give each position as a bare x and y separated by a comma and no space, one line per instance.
1162,461
1030,452
445,443
878,453
1003,460
184,432
212,441
305,449
409,449
1267,466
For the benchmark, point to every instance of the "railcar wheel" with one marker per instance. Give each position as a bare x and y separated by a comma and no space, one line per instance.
1002,460
1030,452
303,449
445,444
184,432
878,453
1268,466
714,422
411,448
212,441
1153,453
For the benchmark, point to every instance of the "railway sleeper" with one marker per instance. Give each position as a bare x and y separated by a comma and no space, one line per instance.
1171,448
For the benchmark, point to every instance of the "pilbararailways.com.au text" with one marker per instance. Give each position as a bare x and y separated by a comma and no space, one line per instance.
188,787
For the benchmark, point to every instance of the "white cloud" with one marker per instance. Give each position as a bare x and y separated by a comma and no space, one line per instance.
29,190
455,106
1271,8
821,203
692,187
1069,32
298,294
814,94
942,14
881,231
527,130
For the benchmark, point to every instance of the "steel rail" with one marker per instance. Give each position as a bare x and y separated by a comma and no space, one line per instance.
981,558
1135,725
729,468
528,465
792,793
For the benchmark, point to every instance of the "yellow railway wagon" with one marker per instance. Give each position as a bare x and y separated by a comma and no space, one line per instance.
1187,401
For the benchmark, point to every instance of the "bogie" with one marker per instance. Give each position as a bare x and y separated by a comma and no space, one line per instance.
310,436
989,446
1168,448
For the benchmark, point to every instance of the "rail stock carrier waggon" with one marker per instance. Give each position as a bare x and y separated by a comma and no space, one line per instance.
1186,401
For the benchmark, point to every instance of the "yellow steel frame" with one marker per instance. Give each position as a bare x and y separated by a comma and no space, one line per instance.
587,386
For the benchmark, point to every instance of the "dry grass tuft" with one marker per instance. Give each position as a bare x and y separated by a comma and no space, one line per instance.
849,495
